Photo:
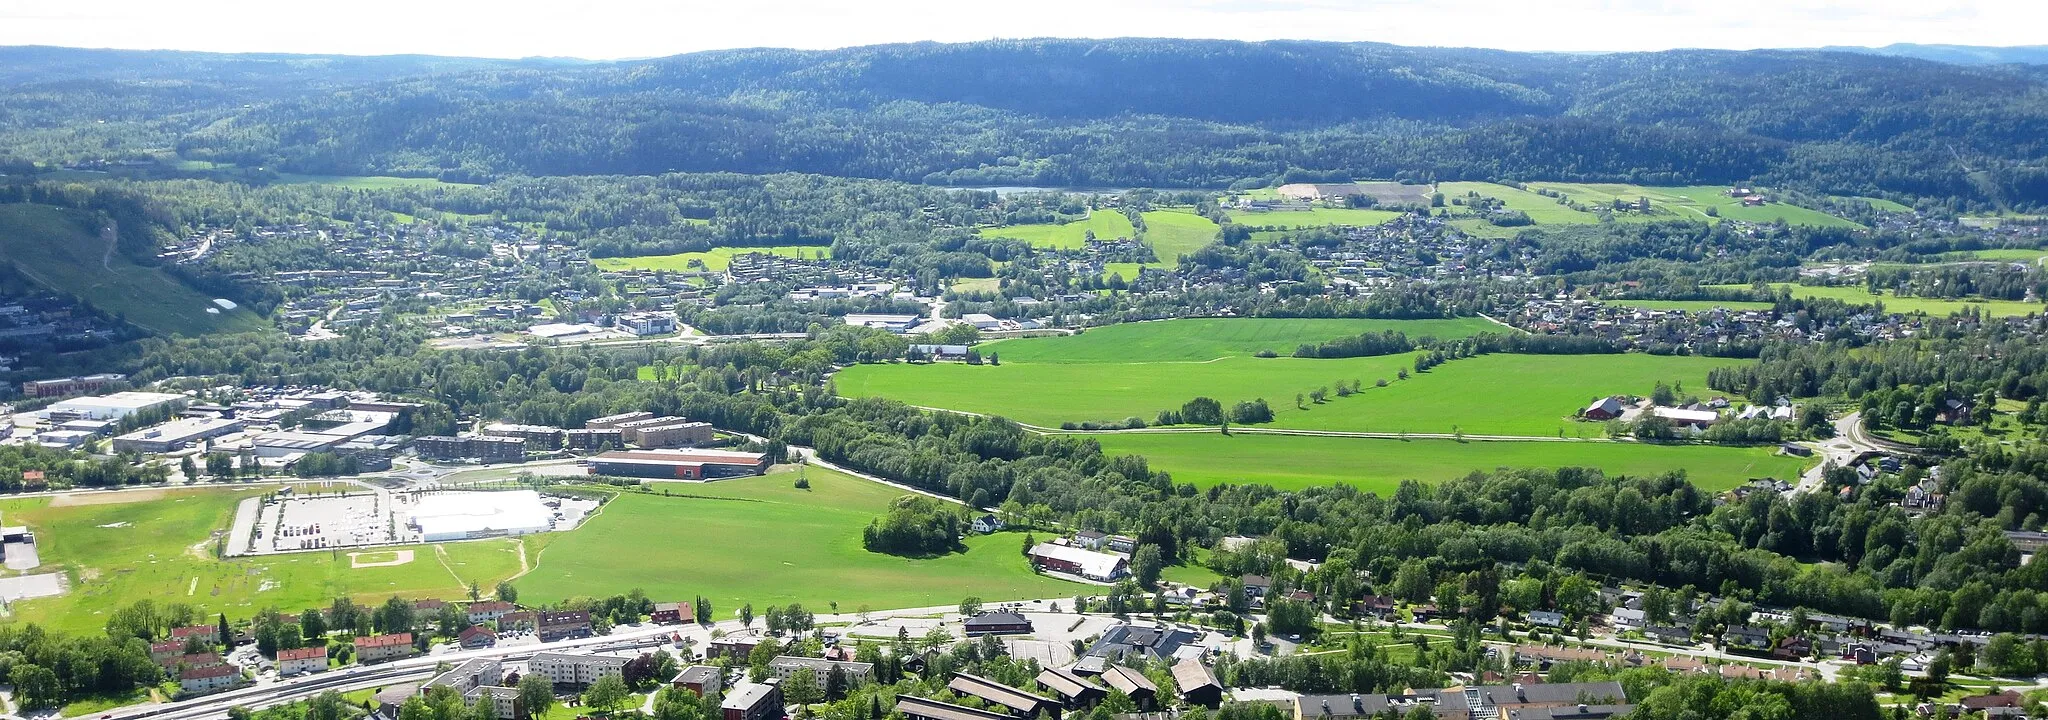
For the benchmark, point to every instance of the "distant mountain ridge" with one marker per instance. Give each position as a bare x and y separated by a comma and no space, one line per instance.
1073,113
1957,54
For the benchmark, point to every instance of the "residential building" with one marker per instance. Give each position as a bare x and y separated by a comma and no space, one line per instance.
1073,690
673,613
1133,684
986,523
209,679
1143,642
576,670
670,435
752,701
917,708
610,422
476,636
699,679
647,323
1197,685
488,449
209,634
470,675
484,611
597,439
738,645
378,648
1017,702
563,624
785,666
299,661
537,437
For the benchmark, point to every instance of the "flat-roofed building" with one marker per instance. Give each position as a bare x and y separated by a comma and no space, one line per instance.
285,444
613,421
672,435
107,407
752,701
568,669
537,437
594,439
175,435
679,464
785,666
699,679
60,387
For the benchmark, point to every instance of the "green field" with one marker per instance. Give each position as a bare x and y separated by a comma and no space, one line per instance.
715,259
1692,305
1930,306
1200,339
365,182
1692,201
1108,224
1879,203
763,541
159,545
1173,233
2014,254
1527,395
1292,462
61,250
1316,217
1542,210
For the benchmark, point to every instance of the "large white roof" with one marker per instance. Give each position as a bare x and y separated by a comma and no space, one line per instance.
441,514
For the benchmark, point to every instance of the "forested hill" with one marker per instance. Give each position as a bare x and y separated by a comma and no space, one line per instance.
1171,113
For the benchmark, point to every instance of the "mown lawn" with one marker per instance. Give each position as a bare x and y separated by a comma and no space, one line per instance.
1893,303
1108,224
1198,339
159,547
1533,395
713,260
761,540
1292,462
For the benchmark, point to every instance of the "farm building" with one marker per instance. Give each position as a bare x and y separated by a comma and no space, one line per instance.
1076,561
1698,419
679,464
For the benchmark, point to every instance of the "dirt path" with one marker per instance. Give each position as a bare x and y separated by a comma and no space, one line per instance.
441,555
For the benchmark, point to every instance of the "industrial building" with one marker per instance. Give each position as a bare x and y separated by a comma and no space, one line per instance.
679,464
174,435
286,444
107,407
441,516
61,387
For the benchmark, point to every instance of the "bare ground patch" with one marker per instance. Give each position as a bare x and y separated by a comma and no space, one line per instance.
379,558
106,498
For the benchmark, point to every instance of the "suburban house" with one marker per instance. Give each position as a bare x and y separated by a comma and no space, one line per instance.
298,661
563,624
997,622
1627,619
752,701
1133,684
986,524
489,610
518,620
477,636
917,708
206,633
1091,539
166,653
1197,685
1546,618
1016,701
1076,561
576,670
699,679
383,647
1746,636
670,613
785,666
209,679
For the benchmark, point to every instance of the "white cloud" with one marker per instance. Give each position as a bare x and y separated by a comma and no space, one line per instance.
639,28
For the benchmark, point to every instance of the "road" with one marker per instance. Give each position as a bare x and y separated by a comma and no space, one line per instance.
1850,442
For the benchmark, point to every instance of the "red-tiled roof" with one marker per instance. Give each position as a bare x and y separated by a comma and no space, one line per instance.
302,653
391,640
210,671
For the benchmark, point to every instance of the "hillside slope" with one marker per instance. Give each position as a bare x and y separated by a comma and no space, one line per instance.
61,250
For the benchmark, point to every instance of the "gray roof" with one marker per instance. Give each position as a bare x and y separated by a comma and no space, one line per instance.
1192,674
746,695
977,686
1571,712
912,706
1609,691
1128,681
1145,642
1067,684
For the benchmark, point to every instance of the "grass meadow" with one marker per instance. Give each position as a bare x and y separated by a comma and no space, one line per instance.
1931,306
1316,217
366,182
761,540
60,250
1692,201
1292,462
159,546
1108,224
1200,339
714,260
1173,233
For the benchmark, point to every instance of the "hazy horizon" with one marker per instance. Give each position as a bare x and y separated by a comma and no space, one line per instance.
627,29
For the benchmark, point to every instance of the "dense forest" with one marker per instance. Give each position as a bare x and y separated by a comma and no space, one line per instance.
1169,113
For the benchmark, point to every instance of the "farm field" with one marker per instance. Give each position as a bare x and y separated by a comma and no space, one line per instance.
1879,203
1292,462
59,249
1317,217
1107,224
159,545
1542,210
1931,306
2014,254
1692,305
1173,233
714,260
1692,201
1530,395
762,540
1200,339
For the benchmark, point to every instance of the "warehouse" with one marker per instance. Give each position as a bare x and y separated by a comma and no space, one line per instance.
174,435
463,515
679,464
107,407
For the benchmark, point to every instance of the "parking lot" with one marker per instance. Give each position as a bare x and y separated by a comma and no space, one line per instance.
310,523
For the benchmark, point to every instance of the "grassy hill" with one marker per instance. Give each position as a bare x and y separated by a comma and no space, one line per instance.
61,250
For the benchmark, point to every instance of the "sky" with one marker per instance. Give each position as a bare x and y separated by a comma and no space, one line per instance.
614,29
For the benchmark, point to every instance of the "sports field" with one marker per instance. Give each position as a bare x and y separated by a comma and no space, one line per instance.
1291,462
1200,339
1316,217
714,260
159,546
1526,395
1108,224
62,250
1173,233
763,541
1930,306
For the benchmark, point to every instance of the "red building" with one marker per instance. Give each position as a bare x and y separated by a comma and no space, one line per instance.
673,613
